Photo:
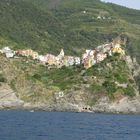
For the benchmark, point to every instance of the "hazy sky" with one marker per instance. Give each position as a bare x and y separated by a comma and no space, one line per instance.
128,3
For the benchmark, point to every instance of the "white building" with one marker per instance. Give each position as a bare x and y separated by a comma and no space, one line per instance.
59,95
42,59
8,52
61,55
77,61
84,12
99,17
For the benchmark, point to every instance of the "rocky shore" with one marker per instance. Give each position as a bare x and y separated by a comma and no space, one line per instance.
9,100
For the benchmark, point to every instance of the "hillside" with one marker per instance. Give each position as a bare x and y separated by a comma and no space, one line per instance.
101,87
46,26
73,25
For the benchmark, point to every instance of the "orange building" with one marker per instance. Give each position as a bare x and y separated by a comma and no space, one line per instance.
28,53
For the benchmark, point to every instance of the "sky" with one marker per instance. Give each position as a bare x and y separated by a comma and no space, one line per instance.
135,4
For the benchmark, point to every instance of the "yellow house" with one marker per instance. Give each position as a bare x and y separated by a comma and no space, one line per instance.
88,62
51,60
35,55
28,52
117,49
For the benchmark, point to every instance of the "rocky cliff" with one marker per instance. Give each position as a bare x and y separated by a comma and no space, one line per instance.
8,98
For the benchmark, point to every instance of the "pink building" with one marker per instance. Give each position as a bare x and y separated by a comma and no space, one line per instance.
100,57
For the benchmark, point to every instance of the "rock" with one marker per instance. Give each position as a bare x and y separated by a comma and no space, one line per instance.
74,102
125,106
8,98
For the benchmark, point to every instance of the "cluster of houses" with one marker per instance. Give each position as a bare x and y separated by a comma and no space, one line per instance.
88,59
100,16
92,57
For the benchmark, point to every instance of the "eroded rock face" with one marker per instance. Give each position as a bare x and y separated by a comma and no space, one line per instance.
73,101
125,106
133,66
8,98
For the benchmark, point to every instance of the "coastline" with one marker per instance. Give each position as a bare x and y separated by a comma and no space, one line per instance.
72,102
132,107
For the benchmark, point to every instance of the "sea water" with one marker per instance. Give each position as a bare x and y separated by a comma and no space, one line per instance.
23,125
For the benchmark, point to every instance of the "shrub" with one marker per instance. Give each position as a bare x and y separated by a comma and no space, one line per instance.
13,84
110,87
129,91
94,88
2,79
37,76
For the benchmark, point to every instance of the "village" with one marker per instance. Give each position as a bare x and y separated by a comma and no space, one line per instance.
88,58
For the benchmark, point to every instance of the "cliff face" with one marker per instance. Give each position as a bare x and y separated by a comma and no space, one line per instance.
108,87
8,98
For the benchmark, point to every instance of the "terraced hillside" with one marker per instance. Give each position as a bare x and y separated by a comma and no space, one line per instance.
47,26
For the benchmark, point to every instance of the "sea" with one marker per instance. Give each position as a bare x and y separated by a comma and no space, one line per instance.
25,125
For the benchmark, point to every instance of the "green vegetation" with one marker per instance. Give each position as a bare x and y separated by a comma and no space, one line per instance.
113,69
35,82
2,78
64,78
49,25
129,91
